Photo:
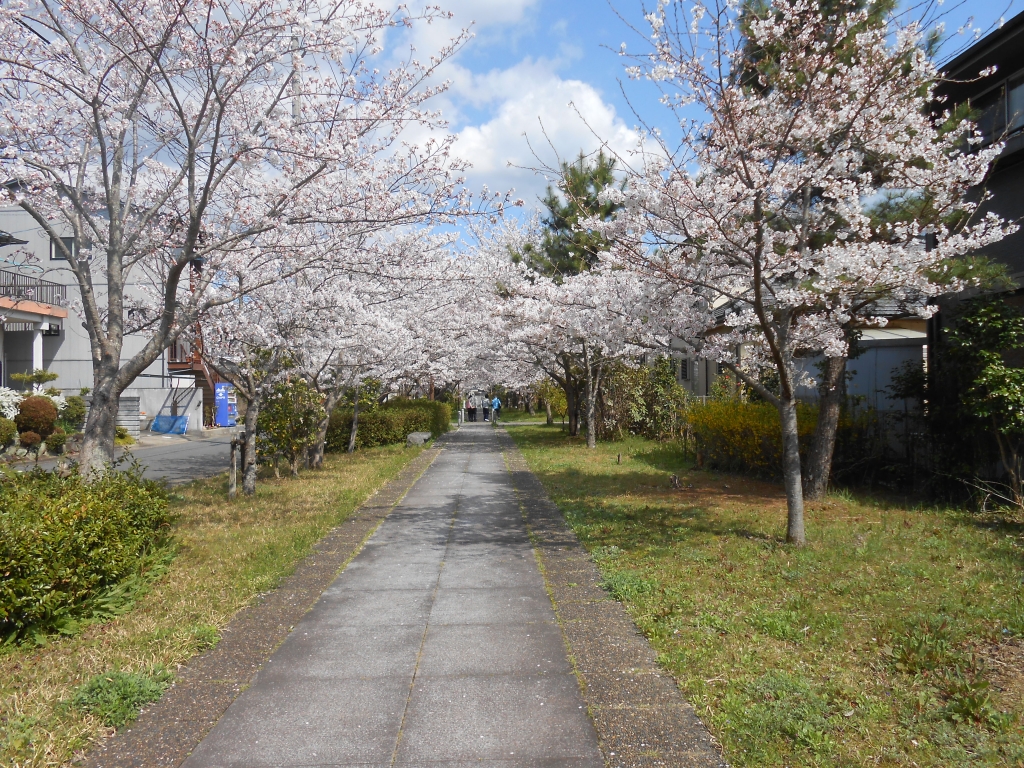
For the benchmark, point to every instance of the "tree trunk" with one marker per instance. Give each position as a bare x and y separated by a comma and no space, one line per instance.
593,379
355,423
819,463
233,471
252,412
100,430
791,472
572,410
294,462
1011,463
547,412
318,448
530,407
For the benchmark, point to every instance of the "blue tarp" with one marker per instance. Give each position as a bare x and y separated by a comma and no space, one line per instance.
170,425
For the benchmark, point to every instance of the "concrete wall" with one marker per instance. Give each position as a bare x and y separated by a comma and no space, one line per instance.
162,401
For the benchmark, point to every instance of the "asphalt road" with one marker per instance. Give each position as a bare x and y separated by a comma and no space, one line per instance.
174,459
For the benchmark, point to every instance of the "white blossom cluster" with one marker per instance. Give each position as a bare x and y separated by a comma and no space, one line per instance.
10,400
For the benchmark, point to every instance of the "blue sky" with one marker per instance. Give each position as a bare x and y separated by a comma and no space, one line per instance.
530,58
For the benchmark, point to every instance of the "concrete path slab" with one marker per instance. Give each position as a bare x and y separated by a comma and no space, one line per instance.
437,646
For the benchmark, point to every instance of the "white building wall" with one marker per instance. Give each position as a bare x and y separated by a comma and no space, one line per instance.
69,354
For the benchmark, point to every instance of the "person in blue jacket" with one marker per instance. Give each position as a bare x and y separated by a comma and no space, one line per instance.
496,409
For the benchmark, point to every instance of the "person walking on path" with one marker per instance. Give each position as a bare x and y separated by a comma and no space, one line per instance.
495,409
487,408
470,409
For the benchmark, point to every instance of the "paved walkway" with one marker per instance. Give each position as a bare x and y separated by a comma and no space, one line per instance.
436,646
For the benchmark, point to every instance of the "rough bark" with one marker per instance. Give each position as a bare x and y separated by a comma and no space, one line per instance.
318,448
592,370
791,472
819,461
355,423
570,385
252,413
98,435
547,412
573,411
233,471
785,404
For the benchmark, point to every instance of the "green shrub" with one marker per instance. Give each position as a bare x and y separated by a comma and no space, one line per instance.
737,436
116,697
36,414
646,400
8,431
438,415
390,424
123,437
289,420
73,415
56,440
64,542
734,435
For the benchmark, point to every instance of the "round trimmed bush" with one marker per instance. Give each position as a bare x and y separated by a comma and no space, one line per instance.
55,442
36,414
30,439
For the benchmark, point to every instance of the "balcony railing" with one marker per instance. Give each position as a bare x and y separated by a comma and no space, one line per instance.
18,286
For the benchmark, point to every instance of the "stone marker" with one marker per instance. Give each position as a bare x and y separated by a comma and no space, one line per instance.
418,438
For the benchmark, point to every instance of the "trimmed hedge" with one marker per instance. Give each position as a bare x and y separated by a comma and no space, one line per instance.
746,438
64,541
390,424
437,414
736,436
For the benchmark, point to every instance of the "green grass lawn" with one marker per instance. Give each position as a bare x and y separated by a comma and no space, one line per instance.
893,638
54,700
511,415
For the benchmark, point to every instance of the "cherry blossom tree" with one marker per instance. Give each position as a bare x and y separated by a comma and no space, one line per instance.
767,210
389,307
176,139
573,327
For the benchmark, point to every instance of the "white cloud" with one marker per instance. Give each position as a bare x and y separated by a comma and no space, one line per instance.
536,112
485,18
505,115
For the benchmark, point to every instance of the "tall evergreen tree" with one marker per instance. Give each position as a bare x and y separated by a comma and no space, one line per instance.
566,249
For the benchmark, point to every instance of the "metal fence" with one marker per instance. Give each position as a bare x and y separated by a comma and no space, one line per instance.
18,286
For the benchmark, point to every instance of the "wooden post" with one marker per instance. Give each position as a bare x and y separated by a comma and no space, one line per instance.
233,471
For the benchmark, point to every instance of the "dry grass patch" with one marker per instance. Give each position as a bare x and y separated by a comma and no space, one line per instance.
227,553
891,639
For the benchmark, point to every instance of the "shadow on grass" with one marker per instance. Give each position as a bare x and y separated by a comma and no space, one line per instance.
627,508
667,457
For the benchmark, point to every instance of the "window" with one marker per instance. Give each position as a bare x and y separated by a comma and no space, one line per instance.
684,370
992,114
1015,104
55,252
720,369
